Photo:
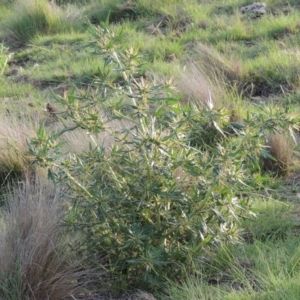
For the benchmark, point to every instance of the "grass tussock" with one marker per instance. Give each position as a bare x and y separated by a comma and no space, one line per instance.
196,87
280,149
32,17
207,81
14,162
34,260
215,65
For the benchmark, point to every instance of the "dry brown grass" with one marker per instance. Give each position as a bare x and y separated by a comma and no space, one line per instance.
34,261
215,65
280,148
14,132
196,87
207,77
78,141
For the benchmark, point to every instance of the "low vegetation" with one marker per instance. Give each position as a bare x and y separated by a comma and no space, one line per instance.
35,261
147,147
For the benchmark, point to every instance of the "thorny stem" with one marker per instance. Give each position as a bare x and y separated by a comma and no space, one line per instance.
93,140
115,55
75,181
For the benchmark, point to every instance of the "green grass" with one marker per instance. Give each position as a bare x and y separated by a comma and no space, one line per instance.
259,271
64,63
62,58
266,267
34,17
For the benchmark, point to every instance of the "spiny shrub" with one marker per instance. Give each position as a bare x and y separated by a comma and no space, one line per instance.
157,198
4,58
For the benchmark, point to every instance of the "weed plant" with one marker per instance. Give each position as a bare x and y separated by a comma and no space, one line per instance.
4,58
161,195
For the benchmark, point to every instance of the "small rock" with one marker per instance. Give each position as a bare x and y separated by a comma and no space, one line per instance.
256,9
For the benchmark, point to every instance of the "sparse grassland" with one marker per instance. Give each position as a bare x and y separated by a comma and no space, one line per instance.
187,188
